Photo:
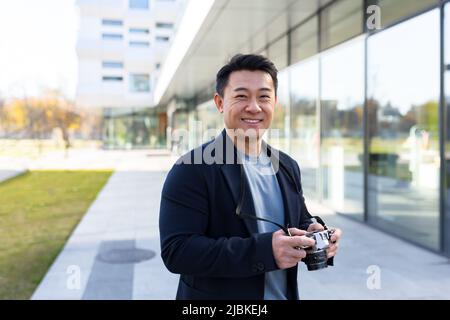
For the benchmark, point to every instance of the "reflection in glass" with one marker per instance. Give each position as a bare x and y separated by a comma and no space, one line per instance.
402,106
278,135
304,133
342,99
447,128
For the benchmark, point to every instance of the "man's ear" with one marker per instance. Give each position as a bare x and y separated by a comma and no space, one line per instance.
218,100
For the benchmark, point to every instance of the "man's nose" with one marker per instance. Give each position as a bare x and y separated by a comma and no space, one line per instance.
253,106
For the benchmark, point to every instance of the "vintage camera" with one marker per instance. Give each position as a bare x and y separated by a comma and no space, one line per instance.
316,255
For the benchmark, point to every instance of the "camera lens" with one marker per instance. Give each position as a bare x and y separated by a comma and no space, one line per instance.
316,260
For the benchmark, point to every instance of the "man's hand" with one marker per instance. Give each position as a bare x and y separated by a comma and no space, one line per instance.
285,248
334,242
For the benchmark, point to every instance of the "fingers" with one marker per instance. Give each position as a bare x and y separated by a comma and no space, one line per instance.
315,227
337,233
331,251
300,241
296,232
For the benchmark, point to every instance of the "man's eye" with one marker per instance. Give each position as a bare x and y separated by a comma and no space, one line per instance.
241,96
265,97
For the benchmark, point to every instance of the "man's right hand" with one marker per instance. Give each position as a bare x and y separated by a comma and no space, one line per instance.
286,249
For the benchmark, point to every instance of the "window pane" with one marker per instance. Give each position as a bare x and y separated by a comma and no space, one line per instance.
162,39
279,130
447,129
139,44
304,40
110,22
304,131
403,90
139,4
394,10
112,64
277,52
139,83
164,25
341,21
139,30
112,78
342,147
111,36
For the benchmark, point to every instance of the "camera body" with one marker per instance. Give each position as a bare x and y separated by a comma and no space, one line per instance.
316,255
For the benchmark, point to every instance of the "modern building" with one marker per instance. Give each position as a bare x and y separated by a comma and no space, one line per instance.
364,92
121,47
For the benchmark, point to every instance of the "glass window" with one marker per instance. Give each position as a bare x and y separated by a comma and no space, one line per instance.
139,44
304,126
341,21
110,22
162,39
112,64
164,25
394,10
277,52
447,144
403,98
112,78
279,130
138,4
139,30
139,83
304,40
112,36
342,145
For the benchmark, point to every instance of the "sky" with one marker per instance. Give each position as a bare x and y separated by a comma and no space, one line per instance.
37,47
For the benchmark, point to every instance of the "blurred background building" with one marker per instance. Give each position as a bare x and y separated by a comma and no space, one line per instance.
121,47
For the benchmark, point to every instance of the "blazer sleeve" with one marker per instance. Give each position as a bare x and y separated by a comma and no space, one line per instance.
185,247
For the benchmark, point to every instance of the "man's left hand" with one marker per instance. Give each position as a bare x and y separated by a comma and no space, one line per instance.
334,241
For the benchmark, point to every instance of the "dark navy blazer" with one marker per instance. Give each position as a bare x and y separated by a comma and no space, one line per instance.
218,254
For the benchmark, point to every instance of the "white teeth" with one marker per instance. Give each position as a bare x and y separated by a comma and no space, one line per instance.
251,120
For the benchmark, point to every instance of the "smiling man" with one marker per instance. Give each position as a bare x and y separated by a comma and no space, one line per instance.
224,225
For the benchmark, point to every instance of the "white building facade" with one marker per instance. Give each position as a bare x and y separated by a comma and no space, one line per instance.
121,47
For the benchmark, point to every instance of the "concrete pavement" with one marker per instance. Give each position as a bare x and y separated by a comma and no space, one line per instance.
114,251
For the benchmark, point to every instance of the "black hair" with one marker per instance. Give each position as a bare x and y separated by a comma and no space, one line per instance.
251,62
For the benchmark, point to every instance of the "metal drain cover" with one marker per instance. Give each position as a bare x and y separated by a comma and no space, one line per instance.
132,255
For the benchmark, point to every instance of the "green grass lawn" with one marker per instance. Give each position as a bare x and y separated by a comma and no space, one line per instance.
38,212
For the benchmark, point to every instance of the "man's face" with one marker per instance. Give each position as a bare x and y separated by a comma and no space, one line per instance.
248,102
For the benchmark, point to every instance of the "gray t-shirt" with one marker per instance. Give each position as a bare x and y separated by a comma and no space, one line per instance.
268,202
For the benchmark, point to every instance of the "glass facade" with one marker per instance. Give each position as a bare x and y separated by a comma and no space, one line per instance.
139,83
446,105
342,136
126,129
359,111
393,10
138,4
403,98
304,123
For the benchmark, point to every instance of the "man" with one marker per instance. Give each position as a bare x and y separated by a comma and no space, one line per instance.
211,197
